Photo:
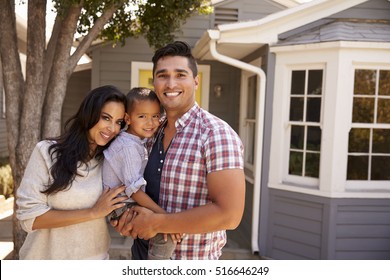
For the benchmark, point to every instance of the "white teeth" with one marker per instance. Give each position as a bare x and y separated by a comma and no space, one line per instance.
104,135
172,94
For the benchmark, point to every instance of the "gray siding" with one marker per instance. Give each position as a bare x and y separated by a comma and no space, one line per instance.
374,9
362,230
113,65
78,87
227,106
309,227
252,9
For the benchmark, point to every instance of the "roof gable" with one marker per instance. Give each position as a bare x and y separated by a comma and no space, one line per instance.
253,34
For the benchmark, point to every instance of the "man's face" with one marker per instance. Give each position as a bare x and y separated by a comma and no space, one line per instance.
175,84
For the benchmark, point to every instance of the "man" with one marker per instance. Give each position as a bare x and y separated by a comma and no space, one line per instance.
195,169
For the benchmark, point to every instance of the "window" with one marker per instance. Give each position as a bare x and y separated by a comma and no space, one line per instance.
369,137
304,123
250,122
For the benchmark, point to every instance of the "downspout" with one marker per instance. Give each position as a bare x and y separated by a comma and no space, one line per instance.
214,36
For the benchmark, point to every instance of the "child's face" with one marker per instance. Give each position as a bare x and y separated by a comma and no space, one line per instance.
144,118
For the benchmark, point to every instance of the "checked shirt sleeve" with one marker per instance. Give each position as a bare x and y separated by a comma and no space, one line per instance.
224,150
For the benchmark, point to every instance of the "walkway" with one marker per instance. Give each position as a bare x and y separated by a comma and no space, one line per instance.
120,246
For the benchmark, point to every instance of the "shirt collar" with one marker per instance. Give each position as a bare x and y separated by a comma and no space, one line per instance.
133,137
184,120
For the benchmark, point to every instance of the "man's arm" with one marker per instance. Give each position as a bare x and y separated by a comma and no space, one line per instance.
227,192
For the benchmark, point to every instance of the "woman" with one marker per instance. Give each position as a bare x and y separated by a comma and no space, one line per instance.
61,202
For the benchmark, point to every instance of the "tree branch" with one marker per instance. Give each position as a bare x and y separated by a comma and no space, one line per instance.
92,35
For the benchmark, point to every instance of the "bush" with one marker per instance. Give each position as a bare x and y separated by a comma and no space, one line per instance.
6,179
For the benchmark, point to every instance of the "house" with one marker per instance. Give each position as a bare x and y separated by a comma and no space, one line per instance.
314,115
307,88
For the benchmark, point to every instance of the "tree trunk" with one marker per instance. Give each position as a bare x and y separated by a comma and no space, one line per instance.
14,89
60,74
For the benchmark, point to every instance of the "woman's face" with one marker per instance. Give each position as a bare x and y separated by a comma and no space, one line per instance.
108,126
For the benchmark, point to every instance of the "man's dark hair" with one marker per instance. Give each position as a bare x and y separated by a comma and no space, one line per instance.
177,48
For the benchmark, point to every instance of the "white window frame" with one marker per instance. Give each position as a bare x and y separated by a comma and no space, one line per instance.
244,121
296,179
136,66
339,59
361,185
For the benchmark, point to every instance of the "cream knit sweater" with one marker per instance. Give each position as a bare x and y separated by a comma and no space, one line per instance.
88,240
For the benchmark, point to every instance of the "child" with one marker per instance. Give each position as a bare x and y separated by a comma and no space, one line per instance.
126,158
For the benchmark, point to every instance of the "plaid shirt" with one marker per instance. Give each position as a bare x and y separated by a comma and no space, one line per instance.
203,143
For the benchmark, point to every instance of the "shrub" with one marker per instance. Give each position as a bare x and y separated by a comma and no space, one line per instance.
6,179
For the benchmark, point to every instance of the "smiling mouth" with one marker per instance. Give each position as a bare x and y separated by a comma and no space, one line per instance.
105,136
173,94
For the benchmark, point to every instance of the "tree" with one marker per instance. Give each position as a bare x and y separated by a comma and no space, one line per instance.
34,103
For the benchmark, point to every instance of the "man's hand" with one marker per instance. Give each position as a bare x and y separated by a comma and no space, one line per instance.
123,225
144,223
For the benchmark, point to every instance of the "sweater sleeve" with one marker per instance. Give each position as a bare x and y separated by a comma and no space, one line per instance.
30,200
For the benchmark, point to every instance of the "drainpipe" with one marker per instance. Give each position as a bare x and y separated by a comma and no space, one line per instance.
214,36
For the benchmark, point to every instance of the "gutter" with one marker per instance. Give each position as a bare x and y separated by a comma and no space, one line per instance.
214,36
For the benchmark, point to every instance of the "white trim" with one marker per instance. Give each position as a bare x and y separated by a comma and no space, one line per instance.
339,60
376,193
204,69
245,75
337,45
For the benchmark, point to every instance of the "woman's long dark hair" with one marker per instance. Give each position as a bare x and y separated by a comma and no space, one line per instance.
72,148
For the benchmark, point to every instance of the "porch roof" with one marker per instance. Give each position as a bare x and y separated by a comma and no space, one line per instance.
238,40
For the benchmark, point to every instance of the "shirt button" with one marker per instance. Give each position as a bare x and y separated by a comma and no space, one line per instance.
159,170
161,161
160,152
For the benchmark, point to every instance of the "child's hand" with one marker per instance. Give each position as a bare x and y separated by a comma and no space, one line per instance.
176,237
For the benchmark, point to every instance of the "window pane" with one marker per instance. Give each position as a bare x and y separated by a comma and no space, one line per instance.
357,168
250,143
365,82
380,168
298,82
312,166
295,163
363,110
297,136
384,82
296,109
381,141
383,111
359,140
313,109
252,90
315,82
313,138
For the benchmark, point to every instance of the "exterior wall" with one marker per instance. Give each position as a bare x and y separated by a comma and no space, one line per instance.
252,9
336,218
78,87
374,9
304,227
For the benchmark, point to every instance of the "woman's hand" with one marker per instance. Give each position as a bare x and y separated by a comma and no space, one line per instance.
108,201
